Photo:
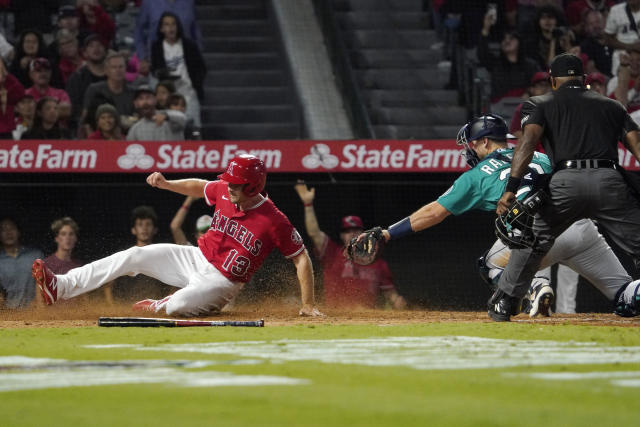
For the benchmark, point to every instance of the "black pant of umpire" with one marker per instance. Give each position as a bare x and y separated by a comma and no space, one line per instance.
597,193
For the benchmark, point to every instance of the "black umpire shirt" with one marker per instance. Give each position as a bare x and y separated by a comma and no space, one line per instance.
578,123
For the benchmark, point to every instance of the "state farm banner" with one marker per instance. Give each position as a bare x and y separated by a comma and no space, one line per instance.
213,156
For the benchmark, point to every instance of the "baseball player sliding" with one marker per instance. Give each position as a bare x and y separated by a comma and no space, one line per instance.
246,227
580,247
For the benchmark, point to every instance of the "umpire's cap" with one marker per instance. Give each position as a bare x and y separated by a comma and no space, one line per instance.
566,65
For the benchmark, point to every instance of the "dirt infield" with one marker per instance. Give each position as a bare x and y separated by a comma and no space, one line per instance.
68,314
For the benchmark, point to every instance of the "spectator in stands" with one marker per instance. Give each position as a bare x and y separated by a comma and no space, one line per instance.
7,52
69,55
540,84
144,227
11,91
164,90
65,232
543,42
91,72
29,47
16,282
620,33
68,21
624,86
153,125
511,71
149,17
108,123
577,10
593,43
598,82
40,74
180,57
114,90
177,102
347,284
46,124
202,223
93,19
25,111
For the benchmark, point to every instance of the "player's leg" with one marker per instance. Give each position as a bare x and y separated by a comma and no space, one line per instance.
583,249
618,212
538,299
566,289
169,263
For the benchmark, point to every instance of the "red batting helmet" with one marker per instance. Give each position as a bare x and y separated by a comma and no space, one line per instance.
246,169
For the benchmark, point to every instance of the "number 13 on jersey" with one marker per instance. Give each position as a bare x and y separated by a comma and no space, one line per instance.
236,264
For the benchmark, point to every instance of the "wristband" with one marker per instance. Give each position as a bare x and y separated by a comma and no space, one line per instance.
400,229
306,205
513,184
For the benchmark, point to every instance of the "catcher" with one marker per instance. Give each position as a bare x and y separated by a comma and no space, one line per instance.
580,247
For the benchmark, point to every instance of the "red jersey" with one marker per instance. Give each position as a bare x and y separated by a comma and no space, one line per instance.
348,284
238,241
59,266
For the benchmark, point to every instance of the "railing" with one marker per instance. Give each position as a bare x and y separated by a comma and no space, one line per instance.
345,76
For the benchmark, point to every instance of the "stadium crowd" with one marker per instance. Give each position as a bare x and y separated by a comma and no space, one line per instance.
71,69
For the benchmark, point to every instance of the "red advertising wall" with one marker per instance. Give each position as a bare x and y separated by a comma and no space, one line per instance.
279,156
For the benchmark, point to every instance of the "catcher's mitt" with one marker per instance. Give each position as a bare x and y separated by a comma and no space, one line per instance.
367,247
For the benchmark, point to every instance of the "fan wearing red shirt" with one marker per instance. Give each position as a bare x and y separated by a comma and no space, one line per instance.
246,226
347,284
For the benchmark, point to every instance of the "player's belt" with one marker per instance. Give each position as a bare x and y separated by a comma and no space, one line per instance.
587,164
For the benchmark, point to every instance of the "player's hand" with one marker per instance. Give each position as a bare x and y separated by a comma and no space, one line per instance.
505,202
306,195
156,179
311,311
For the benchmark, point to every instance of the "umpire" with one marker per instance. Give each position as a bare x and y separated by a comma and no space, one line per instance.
580,130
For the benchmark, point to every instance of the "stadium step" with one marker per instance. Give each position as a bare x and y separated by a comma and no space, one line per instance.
410,98
247,95
402,78
243,61
371,20
415,132
252,131
389,58
431,116
391,38
250,114
227,78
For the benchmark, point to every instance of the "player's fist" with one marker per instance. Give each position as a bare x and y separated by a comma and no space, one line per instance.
505,202
306,195
309,310
156,179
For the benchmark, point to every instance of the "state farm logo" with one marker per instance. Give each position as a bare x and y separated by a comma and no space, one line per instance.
135,157
320,156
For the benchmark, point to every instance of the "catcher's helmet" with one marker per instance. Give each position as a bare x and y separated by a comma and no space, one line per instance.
246,169
489,126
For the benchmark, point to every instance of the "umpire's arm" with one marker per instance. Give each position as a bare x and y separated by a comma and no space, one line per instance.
632,142
189,187
522,156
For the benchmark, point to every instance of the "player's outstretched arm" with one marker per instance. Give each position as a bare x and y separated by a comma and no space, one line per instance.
304,269
193,187
427,216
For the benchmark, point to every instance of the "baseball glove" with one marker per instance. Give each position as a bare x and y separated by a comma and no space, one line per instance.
367,247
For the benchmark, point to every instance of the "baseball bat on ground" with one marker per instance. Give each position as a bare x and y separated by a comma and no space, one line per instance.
145,322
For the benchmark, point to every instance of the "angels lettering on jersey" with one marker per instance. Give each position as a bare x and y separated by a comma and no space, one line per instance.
238,241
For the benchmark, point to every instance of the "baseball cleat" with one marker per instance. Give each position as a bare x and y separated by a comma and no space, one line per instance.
541,299
153,305
502,306
46,281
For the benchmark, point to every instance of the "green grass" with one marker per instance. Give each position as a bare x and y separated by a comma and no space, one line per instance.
338,394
